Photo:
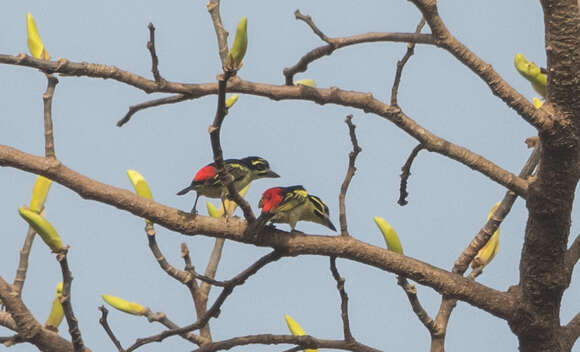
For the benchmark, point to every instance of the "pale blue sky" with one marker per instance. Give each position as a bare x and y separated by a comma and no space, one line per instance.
305,143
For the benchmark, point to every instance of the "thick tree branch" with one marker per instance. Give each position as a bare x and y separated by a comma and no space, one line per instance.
365,102
573,255
539,118
302,341
571,332
28,328
7,321
500,304
348,177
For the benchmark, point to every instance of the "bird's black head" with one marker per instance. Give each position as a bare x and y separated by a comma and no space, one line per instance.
259,167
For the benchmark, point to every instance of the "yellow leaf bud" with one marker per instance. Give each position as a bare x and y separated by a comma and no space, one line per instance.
532,73
35,45
231,100
305,82
537,102
238,50
487,252
390,235
39,193
56,312
124,306
43,228
296,329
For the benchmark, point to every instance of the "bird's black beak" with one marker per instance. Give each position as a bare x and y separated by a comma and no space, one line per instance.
270,174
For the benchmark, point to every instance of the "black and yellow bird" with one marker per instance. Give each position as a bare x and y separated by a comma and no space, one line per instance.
289,205
206,181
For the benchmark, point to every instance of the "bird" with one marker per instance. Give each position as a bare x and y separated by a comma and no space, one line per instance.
292,204
206,181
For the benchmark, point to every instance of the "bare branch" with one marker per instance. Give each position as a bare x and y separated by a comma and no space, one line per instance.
308,20
48,131
162,319
401,63
214,133
181,276
154,59
341,42
28,328
503,304
23,261
65,301
406,172
343,300
213,7
214,310
105,324
499,87
421,313
365,102
571,332
492,224
349,174
302,341
151,103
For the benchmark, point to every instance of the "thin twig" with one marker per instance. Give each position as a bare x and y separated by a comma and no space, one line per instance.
154,59
48,131
406,172
349,174
73,326
214,132
23,261
152,103
402,62
343,299
105,324
181,276
421,313
308,20
214,310
573,254
213,7
341,42
165,321
195,291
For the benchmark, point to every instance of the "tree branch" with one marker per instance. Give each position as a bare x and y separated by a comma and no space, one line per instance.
48,131
349,174
500,304
105,324
28,328
214,310
302,341
151,103
23,260
406,172
213,7
154,59
401,63
571,332
365,102
181,276
573,255
7,321
421,313
538,118
343,299
341,42
65,301
308,20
